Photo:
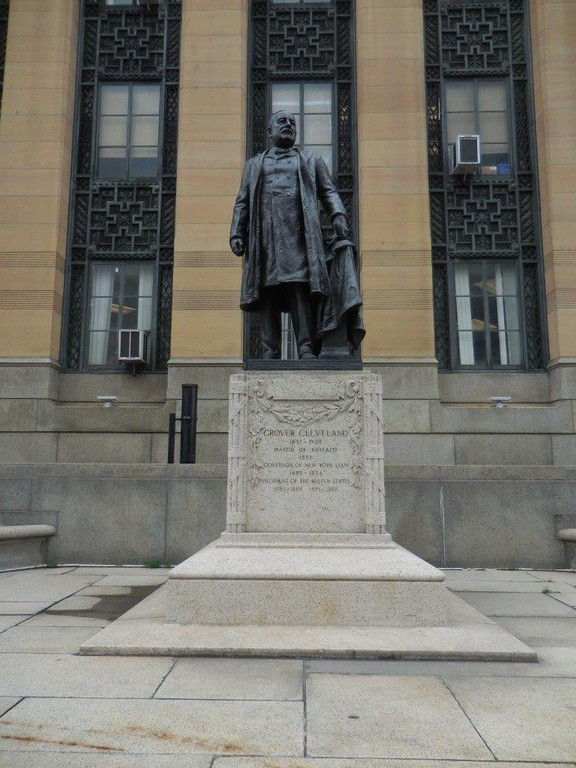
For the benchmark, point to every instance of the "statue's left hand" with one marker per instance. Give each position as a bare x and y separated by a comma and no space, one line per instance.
237,246
340,225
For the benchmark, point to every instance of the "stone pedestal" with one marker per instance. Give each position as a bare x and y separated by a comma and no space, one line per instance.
305,567
305,543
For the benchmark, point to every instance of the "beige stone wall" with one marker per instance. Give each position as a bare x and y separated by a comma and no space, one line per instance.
35,141
393,181
554,61
211,152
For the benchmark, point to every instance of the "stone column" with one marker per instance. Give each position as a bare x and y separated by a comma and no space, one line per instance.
35,160
553,24
207,323
393,182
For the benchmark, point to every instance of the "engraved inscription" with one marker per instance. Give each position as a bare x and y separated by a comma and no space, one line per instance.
312,458
306,460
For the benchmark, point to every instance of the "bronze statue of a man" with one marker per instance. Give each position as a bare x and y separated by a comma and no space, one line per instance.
276,223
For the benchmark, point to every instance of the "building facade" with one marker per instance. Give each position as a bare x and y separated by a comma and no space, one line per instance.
448,126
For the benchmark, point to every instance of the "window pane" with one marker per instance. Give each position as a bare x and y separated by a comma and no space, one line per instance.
460,123
495,159
317,129
479,345
131,279
101,311
505,348
493,127
492,96
324,152
509,276
102,349
285,96
463,313
114,100
112,163
477,313
146,100
144,313
511,315
143,162
144,131
130,313
465,348
460,96
104,280
318,97
113,131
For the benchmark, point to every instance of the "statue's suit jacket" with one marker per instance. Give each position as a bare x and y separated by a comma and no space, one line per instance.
315,184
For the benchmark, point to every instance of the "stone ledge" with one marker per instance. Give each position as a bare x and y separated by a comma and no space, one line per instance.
8,532
22,546
133,471
568,536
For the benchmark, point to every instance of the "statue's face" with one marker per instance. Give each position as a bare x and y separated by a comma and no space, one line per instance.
282,129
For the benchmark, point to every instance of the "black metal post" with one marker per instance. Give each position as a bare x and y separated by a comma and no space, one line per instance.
189,418
171,437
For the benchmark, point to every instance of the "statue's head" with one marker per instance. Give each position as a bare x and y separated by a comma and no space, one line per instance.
282,129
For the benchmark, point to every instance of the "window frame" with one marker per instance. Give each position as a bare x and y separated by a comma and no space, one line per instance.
122,264
509,121
129,116
289,348
454,325
333,121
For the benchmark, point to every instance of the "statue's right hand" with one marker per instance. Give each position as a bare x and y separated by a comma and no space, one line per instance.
237,246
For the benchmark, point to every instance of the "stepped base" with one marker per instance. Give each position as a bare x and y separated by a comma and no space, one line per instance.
468,636
354,596
333,580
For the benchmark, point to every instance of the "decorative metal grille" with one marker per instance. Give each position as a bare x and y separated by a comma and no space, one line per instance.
295,43
482,217
124,219
4,8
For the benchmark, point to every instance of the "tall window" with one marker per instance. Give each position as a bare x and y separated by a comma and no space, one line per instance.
120,298
128,130
487,265
4,5
301,59
122,220
487,313
311,104
480,107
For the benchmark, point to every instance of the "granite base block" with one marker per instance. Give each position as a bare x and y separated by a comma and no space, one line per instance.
468,635
308,580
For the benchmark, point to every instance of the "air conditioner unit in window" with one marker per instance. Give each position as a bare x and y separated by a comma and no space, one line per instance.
133,346
465,154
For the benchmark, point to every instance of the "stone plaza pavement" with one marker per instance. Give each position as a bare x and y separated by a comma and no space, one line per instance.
59,709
